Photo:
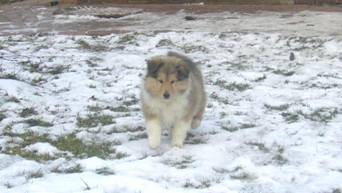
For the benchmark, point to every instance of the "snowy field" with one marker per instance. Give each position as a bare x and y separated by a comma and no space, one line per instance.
70,117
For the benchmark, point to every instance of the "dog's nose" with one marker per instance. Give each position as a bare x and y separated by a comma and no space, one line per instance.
166,95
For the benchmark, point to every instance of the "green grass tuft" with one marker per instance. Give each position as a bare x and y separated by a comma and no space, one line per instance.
58,69
19,151
277,108
26,112
38,122
185,162
13,99
93,120
105,171
69,143
37,174
232,86
2,116
260,146
69,170
79,149
120,109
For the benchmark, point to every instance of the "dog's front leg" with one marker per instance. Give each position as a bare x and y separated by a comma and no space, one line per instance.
154,132
179,132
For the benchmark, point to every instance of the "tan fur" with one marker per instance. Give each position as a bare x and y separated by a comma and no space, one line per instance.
179,78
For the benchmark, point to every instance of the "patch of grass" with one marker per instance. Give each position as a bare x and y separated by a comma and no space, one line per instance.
125,128
58,69
134,137
120,109
120,155
92,64
26,112
194,48
132,101
79,149
279,157
83,44
38,122
19,151
27,139
36,81
263,77
31,66
203,183
219,99
277,108
260,146
284,72
192,139
232,86
92,86
37,174
7,131
75,169
301,43
242,176
7,184
185,162
105,171
94,61
290,117
165,43
68,143
12,76
337,190
2,116
319,115
93,120
236,128
196,141
127,39
94,108
239,173
221,170
13,99
322,115
69,170
241,65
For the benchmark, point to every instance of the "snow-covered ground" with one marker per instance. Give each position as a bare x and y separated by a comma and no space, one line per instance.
71,121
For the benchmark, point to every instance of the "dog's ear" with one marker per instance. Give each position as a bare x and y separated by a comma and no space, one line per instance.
182,72
153,66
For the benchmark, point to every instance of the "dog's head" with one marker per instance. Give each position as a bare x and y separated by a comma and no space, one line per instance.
167,77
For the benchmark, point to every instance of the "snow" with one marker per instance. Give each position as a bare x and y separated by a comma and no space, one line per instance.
271,124
42,149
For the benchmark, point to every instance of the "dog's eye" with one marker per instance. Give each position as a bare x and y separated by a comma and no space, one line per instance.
173,81
160,81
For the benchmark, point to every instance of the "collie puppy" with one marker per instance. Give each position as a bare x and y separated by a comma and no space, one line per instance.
172,97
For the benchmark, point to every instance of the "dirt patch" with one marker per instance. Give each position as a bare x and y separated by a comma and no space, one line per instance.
212,8
31,17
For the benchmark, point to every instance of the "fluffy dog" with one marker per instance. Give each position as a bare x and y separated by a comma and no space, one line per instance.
172,97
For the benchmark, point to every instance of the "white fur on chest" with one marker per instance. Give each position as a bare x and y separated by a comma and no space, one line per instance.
168,112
